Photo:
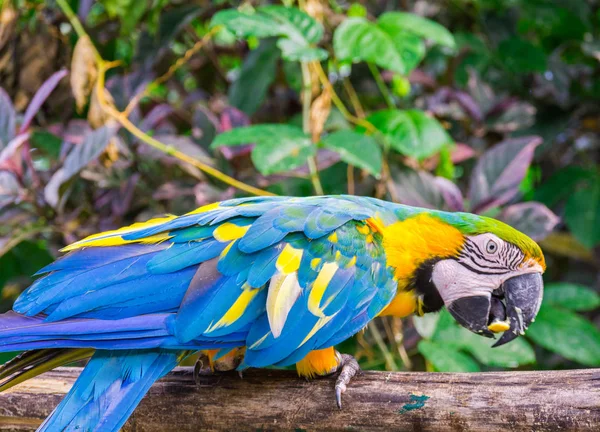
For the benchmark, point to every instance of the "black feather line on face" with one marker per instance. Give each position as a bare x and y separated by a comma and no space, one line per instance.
423,284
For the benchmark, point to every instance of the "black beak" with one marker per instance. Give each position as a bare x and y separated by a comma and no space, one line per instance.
522,296
523,300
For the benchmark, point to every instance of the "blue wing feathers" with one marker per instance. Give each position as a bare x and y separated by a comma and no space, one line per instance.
89,297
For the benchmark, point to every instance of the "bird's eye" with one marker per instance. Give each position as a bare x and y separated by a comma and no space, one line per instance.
491,247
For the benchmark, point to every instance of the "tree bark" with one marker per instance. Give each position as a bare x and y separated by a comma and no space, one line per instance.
279,400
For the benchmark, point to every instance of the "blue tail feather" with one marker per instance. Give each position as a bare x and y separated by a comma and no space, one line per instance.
109,389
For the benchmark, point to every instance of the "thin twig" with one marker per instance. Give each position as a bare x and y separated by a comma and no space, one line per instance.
389,359
338,102
386,178
74,20
350,179
360,112
153,142
397,330
306,101
121,118
354,100
381,85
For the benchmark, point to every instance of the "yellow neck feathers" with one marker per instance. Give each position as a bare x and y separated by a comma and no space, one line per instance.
410,243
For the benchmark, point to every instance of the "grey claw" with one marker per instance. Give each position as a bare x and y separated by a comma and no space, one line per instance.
202,367
349,368
339,389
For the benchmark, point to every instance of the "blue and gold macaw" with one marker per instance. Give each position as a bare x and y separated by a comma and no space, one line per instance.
258,282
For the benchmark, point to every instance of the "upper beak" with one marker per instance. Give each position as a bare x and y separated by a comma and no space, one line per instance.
485,315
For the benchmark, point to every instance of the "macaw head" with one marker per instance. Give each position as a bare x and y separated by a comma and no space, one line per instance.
486,273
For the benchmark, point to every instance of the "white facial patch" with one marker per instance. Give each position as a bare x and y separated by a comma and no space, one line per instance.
454,281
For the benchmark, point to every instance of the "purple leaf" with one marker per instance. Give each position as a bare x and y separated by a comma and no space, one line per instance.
9,158
124,196
440,100
418,188
80,155
9,189
461,152
76,131
89,150
84,9
123,88
185,145
155,116
7,119
230,119
517,115
451,194
40,97
499,172
532,218
481,92
468,104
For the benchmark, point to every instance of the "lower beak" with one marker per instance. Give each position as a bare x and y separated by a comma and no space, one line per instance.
485,315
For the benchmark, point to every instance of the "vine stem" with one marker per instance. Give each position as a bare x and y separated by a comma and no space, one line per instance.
123,120
338,102
381,85
389,358
306,102
153,142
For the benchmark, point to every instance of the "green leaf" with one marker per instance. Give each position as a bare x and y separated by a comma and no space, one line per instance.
256,76
411,132
514,354
281,154
279,147
582,213
356,149
521,56
244,25
567,334
300,30
357,10
418,25
47,142
258,134
561,184
128,11
511,355
293,51
358,39
571,296
446,358
297,25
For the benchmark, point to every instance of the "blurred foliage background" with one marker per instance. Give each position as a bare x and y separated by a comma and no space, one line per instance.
115,111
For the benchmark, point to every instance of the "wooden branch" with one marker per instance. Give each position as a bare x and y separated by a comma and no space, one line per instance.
278,400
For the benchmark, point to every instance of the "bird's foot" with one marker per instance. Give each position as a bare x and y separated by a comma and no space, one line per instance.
202,368
348,367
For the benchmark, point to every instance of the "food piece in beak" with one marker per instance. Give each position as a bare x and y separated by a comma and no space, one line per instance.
523,300
472,313
497,322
